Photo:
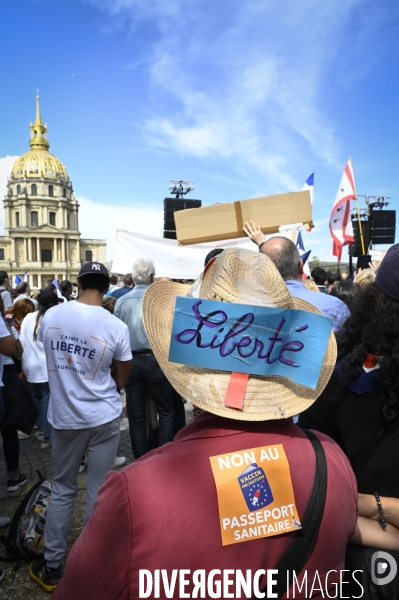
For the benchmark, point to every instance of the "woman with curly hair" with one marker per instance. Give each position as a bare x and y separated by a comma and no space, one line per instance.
347,291
359,409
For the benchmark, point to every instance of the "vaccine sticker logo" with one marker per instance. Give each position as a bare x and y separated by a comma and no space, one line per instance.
255,487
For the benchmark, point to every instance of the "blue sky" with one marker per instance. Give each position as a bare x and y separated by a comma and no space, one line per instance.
245,98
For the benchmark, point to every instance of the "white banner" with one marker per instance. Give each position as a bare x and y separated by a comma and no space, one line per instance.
171,260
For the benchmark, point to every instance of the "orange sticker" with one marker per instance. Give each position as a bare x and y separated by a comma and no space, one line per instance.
255,494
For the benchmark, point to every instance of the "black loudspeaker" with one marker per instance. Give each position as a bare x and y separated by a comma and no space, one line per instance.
169,235
357,245
170,206
383,224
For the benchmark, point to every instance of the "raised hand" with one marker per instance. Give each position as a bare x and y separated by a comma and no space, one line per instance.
254,232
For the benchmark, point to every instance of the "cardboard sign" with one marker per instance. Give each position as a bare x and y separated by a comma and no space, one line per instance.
249,339
225,221
255,495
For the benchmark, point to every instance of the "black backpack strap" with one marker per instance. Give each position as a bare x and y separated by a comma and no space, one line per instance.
375,445
305,539
9,540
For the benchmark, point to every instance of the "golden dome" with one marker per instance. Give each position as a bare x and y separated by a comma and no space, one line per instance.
38,162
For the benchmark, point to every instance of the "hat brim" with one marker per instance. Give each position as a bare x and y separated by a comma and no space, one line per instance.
266,397
92,273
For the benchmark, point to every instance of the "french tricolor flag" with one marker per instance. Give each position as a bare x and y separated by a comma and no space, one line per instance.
301,246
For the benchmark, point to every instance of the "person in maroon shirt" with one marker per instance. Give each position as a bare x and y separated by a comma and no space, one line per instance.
166,511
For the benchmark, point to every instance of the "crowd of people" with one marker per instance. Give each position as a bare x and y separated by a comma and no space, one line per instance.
74,352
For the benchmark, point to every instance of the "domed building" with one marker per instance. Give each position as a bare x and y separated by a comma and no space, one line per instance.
41,233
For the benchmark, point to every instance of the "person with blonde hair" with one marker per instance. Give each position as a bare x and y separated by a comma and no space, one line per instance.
109,304
364,277
310,285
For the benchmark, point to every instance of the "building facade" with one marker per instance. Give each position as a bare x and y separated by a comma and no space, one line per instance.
41,233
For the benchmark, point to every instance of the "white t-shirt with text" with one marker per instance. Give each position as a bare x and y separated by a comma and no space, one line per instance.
80,341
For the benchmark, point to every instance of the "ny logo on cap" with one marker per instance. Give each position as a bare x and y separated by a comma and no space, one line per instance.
95,266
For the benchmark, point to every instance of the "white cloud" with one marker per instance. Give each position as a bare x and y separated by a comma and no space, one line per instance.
6,165
102,220
245,82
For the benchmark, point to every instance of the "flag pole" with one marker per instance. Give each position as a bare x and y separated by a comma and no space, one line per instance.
358,213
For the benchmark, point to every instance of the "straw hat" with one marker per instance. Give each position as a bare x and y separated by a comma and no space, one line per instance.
242,277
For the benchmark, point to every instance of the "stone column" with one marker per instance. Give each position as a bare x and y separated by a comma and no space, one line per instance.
9,217
39,258
63,250
39,281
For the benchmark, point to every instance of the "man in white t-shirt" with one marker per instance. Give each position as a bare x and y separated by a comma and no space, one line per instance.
88,357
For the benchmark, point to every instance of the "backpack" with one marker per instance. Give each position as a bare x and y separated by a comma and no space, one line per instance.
25,539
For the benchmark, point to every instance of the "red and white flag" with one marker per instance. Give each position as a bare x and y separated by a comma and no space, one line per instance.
340,218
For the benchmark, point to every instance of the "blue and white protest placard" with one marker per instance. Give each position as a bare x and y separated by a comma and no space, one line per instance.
249,339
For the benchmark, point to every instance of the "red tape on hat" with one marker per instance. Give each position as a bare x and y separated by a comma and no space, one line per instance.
236,389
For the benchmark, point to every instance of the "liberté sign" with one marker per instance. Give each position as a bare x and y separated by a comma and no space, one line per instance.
257,340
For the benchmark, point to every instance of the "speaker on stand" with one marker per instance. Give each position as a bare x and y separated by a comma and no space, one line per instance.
383,225
357,249
170,206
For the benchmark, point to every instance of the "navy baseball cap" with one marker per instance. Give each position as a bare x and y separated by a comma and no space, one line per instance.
96,268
